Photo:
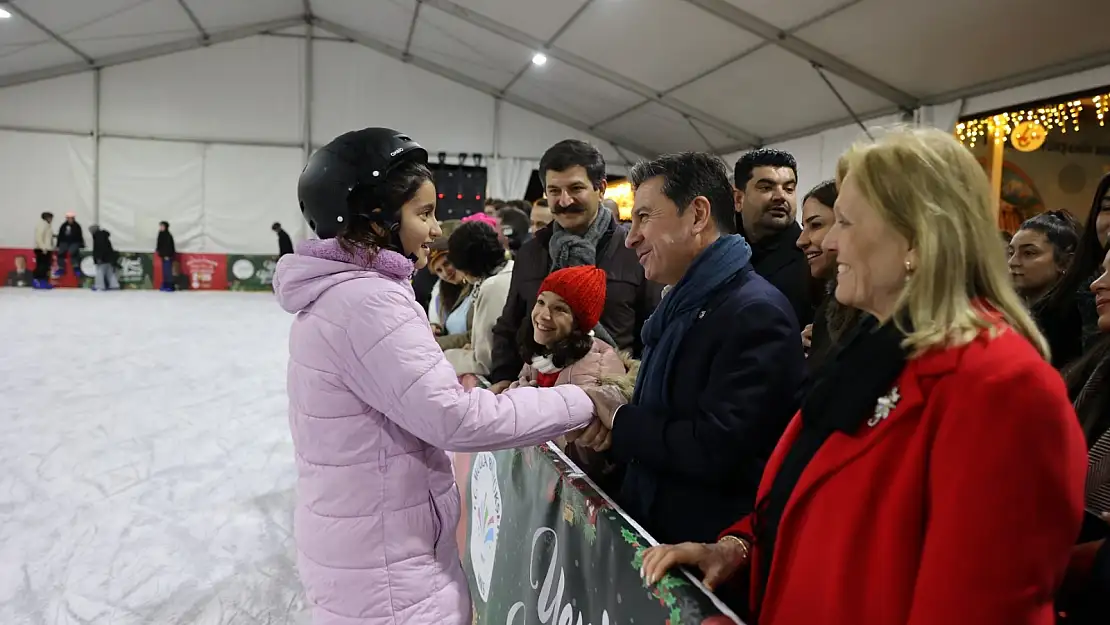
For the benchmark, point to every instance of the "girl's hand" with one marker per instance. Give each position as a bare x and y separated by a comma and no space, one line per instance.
718,562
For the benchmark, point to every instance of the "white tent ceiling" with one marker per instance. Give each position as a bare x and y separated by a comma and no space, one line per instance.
650,75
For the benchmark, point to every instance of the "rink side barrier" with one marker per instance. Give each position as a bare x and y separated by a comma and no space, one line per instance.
140,270
541,544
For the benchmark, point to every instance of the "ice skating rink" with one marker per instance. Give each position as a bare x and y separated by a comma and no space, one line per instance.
146,467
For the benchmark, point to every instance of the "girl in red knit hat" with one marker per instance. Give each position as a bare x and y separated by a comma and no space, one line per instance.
558,347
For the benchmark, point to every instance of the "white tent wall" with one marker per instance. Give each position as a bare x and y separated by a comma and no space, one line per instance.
212,139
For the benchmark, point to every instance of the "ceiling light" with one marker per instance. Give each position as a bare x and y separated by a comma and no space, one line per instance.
4,14
539,58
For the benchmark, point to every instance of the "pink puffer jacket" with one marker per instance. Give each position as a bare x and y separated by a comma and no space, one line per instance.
372,407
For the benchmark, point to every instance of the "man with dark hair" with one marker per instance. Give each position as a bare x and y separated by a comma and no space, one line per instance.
166,250
766,183
723,370
540,215
492,206
285,244
583,233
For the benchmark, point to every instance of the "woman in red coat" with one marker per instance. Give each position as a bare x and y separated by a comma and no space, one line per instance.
935,473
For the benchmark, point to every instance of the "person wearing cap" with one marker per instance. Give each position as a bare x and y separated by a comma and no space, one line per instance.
558,347
70,243
450,312
374,406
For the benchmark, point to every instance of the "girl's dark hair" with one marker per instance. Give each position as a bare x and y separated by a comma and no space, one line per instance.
47,215
519,221
825,193
1088,381
1087,258
164,223
1062,231
400,185
565,352
449,296
475,249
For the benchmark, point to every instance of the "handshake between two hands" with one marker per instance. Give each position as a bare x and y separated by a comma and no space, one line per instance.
598,435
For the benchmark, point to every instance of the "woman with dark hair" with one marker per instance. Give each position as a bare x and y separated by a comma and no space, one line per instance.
44,246
1039,255
831,318
1072,289
476,252
374,406
515,224
1085,596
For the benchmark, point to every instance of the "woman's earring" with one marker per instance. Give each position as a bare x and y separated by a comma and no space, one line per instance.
909,270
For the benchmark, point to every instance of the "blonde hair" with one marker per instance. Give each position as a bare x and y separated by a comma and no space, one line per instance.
929,188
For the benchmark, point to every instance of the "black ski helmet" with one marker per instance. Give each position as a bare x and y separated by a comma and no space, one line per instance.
361,158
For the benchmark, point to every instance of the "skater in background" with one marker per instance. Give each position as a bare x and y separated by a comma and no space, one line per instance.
71,240
19,276
105,257
285,244
166,250
44,243
374,405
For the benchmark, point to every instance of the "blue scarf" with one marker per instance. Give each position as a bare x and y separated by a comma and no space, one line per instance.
667,326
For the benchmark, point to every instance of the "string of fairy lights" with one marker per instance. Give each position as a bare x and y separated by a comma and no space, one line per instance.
1037,121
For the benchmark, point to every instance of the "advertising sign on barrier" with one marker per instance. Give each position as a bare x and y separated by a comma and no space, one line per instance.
540,545
202,272
16,267
135,270
250,273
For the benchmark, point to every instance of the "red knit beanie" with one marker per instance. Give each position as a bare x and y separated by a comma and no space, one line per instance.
583,288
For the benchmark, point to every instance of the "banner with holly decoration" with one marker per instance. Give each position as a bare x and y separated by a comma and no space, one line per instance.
541,545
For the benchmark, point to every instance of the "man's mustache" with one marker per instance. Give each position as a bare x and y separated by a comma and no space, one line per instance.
569,209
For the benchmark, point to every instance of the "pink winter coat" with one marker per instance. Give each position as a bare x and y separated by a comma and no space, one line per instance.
372,407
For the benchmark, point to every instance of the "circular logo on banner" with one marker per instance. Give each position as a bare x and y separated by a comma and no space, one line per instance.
243,269
485,519
88,266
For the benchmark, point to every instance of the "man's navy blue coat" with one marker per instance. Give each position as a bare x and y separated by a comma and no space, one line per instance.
692,468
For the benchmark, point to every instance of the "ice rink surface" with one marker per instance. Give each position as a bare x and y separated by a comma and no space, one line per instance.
146,466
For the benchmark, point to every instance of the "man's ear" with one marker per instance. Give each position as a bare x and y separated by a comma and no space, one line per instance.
702,210
738,197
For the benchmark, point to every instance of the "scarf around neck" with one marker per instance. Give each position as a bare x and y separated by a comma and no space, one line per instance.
571,250
667,326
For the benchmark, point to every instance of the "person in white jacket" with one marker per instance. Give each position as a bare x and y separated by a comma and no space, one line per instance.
44,256
476,251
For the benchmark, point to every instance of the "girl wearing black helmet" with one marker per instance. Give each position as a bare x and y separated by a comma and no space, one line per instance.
373,404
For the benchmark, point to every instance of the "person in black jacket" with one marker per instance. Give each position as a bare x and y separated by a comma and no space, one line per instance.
166,250
766,197
70,243
285,244
105,257
723,369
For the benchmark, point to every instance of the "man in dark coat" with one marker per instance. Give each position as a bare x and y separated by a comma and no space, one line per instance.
166,251
583,233
766,183
71,240
285,244
105,256
723,369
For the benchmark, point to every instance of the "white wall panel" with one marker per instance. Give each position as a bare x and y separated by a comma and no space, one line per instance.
356,87
42,172
145,182
246,90
247,189
59,104
527,135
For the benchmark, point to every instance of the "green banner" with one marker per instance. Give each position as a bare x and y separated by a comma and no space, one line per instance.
134,270
250,273
541,545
